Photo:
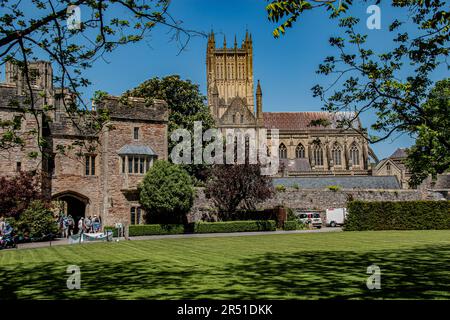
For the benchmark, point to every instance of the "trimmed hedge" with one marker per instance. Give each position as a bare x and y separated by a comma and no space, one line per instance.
292,225
155,229
397,215
151,229
246,215
234,226
114,230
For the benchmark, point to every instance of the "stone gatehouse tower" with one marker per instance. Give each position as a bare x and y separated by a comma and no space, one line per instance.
98,172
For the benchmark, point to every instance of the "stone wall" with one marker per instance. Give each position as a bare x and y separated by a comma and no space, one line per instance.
10,157
316,200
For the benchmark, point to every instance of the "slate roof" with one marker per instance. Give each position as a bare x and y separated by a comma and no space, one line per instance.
399,153
396,159
354,182
302,120
135,109
137,150
443,181
301,164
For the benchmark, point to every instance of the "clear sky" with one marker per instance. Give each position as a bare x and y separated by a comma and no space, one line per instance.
286,66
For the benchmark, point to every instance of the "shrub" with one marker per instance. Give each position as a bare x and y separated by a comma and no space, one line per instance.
113,229
154,229
150,229
36,222
292,225
296,186
243,215
234,226
291,216
166,193
280,188
398,215
334,188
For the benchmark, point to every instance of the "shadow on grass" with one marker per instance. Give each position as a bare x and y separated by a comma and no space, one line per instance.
421,273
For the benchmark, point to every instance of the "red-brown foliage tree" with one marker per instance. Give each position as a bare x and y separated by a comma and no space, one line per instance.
237,186
17,192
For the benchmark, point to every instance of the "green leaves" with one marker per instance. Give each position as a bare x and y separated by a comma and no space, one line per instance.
430,154
166,193
290,10
186,104
38,30
395,84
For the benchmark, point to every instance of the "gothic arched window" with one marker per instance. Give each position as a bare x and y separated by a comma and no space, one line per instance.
300,151
354,154
336,153
282,151
247,149
318,155
388,169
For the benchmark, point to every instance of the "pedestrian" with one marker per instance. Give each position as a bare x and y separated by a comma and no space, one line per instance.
65,227
81,226
100,225
96,224
2,225
87,223
71,225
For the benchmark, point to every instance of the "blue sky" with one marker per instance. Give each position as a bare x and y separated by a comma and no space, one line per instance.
286,66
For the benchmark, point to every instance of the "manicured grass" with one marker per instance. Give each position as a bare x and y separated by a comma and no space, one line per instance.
414,264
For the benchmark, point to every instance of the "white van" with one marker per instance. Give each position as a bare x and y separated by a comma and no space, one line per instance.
311,218
335,217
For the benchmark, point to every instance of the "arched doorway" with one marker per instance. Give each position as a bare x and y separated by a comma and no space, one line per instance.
73,204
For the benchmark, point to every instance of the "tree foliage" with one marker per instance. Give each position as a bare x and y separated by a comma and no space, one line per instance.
44,30
286,12
36,221
234,186
186,105
166,193
17,192
393,84
429,156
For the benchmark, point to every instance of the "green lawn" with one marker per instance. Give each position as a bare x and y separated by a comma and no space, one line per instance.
414,265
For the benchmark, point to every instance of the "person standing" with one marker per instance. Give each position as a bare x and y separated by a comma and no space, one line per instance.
96,224
71,224
81,226
2,225
87,224
65,227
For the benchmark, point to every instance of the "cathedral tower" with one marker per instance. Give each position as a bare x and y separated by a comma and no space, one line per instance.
229,74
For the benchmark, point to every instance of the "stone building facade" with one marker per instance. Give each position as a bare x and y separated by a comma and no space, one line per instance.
88,173
310,143
394,165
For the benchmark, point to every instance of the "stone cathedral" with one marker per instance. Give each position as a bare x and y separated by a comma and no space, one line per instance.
304,149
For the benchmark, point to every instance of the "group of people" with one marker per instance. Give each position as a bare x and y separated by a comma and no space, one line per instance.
84,225
66,225
89,224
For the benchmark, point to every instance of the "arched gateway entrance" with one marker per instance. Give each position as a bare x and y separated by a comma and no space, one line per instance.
72,203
